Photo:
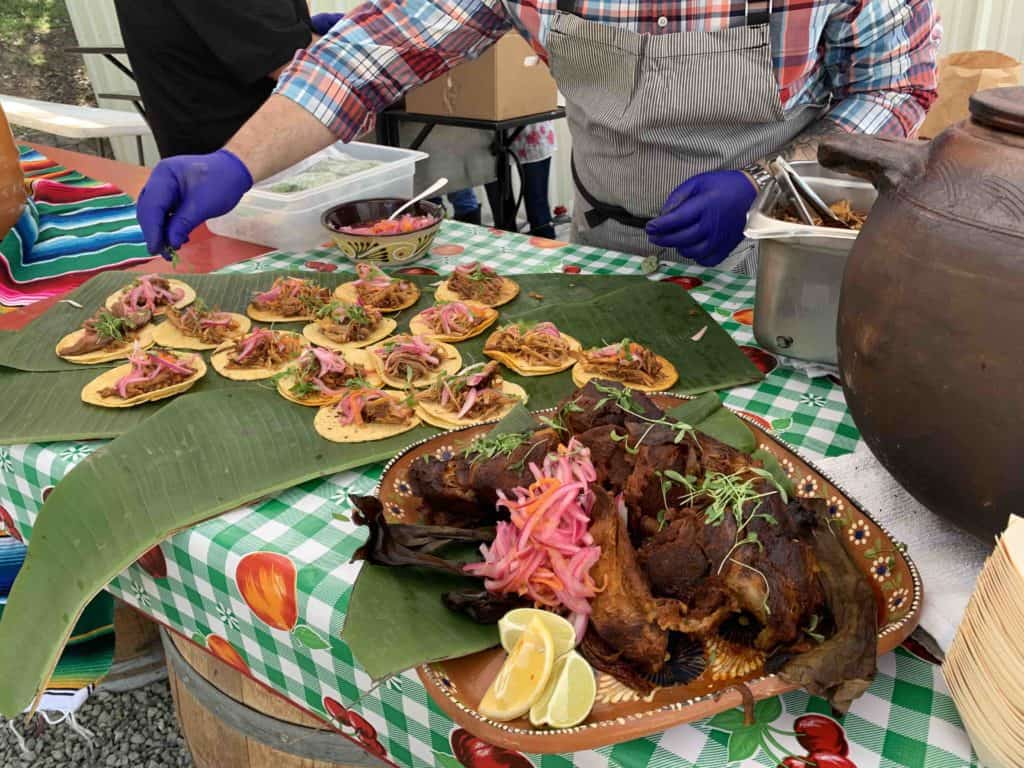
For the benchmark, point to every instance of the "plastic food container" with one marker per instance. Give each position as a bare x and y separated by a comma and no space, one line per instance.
290,221
800,267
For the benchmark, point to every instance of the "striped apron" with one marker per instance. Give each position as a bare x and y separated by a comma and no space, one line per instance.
647,112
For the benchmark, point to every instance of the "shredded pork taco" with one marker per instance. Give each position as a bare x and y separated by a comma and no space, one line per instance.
199,327
533,350
376,289
340,325
453,320
479,283
149,375
628,363
321,376
107,336
413,361
151,293
364,415
289,300
469,397
261,354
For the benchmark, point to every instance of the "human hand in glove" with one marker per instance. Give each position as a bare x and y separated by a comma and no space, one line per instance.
184,191
704,217
322,22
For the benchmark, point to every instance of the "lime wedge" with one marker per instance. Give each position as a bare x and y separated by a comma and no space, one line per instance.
569,695
523,677
512,624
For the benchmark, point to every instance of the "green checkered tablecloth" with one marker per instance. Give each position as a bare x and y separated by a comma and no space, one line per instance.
290,639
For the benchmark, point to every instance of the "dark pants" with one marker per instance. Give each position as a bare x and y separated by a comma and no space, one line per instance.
534,179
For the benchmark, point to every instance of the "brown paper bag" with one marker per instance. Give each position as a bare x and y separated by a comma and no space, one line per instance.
960,76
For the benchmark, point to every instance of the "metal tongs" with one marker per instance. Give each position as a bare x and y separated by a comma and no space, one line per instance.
803,197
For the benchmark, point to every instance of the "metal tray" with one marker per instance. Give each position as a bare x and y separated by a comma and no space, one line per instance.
800,268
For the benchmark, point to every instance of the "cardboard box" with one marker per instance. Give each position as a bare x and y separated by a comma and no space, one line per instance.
507,81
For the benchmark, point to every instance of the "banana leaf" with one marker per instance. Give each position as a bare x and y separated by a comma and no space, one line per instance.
595,309
197,457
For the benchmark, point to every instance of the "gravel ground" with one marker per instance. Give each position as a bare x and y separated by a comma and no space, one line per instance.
136,729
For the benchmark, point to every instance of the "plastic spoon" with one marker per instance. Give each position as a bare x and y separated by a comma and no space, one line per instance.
437,186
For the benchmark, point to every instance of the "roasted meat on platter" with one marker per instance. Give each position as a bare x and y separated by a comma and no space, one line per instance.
666,548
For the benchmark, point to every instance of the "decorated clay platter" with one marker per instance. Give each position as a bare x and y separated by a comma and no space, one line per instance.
620,714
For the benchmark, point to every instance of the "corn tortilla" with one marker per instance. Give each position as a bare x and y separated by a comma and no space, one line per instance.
451,364
284,385
384,329
329,427
433,413
167,335
188,298
219,361
347,292
144,336
509,290
669,376
524,368
264,316
419,327
91,391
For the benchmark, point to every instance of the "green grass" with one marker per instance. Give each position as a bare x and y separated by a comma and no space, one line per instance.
22,17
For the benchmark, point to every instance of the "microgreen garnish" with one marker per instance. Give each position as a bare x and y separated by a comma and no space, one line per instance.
109,326
622,397
557,422
357,314
487,446
811,632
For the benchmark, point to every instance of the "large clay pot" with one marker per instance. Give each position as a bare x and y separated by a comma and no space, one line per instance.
12,185
931,316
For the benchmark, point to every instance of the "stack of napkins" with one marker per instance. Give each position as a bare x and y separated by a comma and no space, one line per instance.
984,667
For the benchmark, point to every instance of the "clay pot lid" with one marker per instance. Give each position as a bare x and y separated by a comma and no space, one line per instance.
1000,108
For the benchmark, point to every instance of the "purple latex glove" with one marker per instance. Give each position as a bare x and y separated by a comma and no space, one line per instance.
322,22
184,191
703,218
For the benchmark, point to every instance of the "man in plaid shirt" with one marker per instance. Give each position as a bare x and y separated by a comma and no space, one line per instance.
672,104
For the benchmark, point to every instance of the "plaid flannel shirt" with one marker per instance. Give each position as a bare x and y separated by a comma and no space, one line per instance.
873,60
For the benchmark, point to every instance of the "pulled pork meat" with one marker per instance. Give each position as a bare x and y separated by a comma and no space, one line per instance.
347,323
208,326
372,406
264,349
541,344
466,395
321,371
626,361
843,210
292,297
375,289
104,330
149,293
410,357
476,282
151,371
454,318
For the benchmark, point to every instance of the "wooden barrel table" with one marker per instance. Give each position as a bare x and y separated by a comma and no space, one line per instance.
138,653
230,721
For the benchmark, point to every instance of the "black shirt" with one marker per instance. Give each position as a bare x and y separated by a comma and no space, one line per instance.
202,65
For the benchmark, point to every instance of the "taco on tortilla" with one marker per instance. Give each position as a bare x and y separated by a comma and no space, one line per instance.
412,361
151,293
289,300
453,320
364,415
340,325
474,395
376,289
199,327
149,375
261,354
322,376
107,336
533,350
627,362
479,283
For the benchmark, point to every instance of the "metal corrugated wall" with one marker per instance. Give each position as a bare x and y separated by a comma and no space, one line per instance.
968,24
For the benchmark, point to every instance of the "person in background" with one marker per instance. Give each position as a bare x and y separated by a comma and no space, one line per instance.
533,149
674,108
203,67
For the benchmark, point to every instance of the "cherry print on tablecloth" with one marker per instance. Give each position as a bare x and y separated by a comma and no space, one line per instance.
765,362
321,266
688,282
355,726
